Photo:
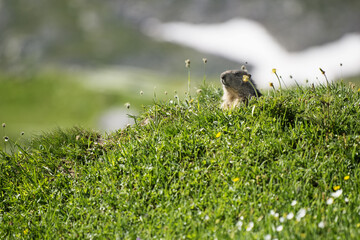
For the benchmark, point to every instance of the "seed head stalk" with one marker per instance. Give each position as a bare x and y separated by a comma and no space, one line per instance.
246,79
204,61
187,65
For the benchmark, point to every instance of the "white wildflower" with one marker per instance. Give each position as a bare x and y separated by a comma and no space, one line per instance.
330,201
282,219
290,216
321,224
279,228
300,214
206,218
337,193
293,203
239,224
250,226
267,237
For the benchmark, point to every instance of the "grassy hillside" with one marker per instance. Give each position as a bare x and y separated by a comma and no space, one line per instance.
286,166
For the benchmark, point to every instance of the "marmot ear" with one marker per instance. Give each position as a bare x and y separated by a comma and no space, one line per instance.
249,75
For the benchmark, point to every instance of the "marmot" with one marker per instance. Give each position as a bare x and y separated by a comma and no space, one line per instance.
238,87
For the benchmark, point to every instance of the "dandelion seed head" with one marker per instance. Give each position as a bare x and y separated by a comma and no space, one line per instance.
187,63
127,105
244,68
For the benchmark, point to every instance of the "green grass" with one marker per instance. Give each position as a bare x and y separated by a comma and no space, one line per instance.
188,170
43,100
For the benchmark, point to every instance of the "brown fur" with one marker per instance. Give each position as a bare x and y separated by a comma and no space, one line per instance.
236,90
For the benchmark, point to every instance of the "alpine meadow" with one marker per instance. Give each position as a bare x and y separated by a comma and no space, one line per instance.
282,166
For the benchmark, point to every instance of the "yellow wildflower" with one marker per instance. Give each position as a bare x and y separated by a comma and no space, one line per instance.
236,179
271,84
245,78
274,70
346,177
218,134
336,188
26,231
358,225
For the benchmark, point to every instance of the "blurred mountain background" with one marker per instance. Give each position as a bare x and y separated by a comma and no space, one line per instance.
108,32
100,57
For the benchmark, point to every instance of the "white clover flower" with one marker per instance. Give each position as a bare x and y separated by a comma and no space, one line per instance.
321,224
337,193
300,214
250,226
206,218
346,200
282,219
279,228
272,212
290,216
330,201
267,237
293,203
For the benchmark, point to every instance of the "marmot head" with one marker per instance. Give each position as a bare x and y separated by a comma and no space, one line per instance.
235,79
